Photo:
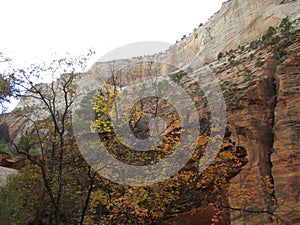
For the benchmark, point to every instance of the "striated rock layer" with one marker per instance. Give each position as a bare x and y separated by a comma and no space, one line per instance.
286,159
262,94
264,118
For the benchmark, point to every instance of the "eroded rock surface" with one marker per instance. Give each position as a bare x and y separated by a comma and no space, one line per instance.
262,100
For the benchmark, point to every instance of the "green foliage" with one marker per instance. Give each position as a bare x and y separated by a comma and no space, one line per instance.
178,76
242,48
259,63
247,70
26,142
85,112
272,37
25,198
255,44
231,56
18,198
282,56
220,55
271,31
283,53
8,149
268,38
285,27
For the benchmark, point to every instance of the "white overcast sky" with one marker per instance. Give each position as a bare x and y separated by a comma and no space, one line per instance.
36,29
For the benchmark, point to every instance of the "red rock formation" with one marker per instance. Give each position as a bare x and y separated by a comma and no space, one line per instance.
11,162
286,158
200,216
263,109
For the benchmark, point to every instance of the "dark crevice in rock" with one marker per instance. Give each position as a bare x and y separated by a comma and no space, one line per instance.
273,104
286,1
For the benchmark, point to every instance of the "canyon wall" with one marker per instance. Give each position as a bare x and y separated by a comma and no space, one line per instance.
262,103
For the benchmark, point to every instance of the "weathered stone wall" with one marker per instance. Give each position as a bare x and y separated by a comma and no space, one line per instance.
263,110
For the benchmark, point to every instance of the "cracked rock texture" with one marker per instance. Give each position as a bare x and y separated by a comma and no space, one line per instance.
262,103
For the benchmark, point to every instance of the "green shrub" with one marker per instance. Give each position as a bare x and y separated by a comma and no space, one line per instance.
178,76
220,55
16,200
255,44
258,63
285,27
283,53
267,37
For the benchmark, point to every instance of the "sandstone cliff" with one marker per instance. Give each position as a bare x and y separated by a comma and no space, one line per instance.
262,94
262,116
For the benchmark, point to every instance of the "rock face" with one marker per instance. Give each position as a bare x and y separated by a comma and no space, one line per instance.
4,173
286,159
264,121
237,23
262,94
203,215
18,122
11,162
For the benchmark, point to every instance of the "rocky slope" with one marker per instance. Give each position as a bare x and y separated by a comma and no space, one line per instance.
261,88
